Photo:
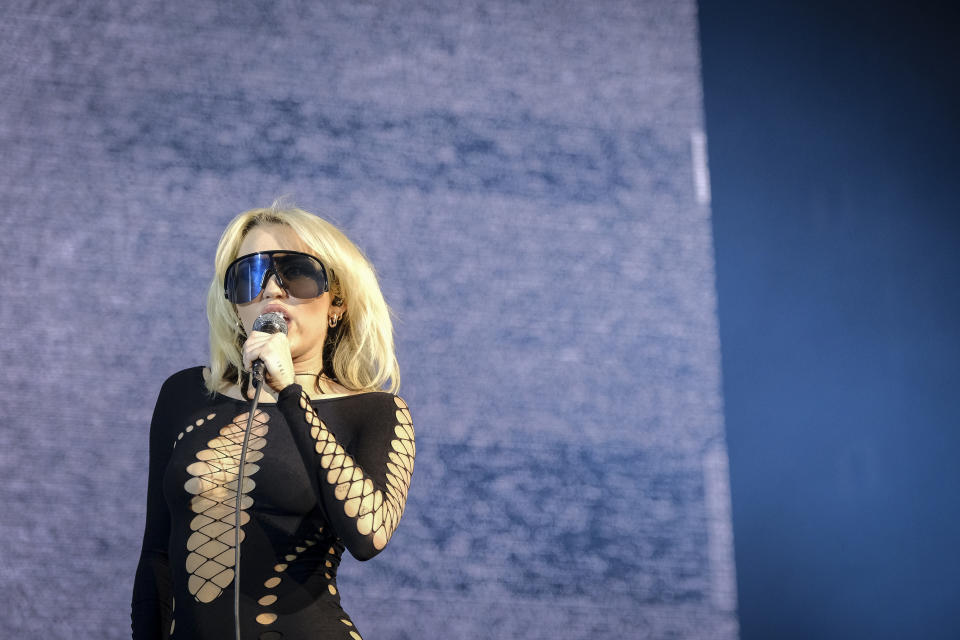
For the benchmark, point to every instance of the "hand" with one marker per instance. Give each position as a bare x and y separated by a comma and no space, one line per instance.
274,350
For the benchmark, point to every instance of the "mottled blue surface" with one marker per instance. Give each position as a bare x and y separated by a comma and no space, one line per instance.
522,176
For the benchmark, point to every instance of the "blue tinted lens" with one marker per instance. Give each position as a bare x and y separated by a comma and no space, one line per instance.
244,277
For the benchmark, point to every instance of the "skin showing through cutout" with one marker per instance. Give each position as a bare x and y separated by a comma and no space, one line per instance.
213,486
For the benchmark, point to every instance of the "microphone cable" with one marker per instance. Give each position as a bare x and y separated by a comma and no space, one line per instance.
257,384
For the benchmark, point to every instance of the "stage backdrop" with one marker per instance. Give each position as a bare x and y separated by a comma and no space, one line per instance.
529,179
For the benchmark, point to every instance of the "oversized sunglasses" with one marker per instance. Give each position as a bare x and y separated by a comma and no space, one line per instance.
299,274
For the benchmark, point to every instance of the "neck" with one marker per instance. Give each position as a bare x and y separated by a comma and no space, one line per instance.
308,363
316,382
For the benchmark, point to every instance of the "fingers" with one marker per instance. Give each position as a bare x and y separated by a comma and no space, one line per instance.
274,351
264,346
254,347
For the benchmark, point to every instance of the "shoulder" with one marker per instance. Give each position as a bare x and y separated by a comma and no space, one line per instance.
182,392
376,402
366,412
185,382
370,425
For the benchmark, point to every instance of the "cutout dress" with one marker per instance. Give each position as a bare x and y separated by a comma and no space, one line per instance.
320,476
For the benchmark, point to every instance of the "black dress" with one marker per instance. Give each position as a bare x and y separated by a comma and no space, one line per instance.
319,477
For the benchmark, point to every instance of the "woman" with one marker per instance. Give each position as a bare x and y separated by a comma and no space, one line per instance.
329,456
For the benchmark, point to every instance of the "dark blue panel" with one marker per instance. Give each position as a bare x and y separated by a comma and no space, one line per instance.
833,151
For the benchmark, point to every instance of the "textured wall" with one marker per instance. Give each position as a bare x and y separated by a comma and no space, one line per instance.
525,177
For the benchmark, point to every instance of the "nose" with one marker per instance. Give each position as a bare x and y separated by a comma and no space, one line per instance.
271,286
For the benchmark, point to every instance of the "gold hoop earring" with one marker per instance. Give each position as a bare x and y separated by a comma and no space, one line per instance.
333,320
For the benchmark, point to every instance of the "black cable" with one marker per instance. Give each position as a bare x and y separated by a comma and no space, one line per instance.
257,383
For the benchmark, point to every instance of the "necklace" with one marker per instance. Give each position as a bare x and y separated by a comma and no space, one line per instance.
317,378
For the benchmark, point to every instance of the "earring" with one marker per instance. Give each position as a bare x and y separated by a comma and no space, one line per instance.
333,320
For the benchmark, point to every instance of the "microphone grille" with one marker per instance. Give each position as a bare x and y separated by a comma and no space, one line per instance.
271,322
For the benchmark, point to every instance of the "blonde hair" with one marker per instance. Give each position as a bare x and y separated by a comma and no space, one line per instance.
363,353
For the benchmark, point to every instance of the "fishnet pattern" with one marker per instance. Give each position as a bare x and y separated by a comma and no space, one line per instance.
214,485
375,511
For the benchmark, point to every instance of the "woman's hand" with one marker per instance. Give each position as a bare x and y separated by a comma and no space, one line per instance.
274,350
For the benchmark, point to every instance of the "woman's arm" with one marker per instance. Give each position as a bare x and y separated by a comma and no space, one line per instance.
364,490
150,605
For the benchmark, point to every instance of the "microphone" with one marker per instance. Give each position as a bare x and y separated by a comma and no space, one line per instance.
271,322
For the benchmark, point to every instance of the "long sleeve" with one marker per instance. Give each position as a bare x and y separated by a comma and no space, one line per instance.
362,481
151,603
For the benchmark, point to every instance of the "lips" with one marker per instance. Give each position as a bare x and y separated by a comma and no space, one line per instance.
278,309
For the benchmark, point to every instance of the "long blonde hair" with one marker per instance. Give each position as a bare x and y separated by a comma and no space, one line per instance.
363,353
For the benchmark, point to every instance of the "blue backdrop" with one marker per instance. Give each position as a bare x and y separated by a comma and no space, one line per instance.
833,147
529,179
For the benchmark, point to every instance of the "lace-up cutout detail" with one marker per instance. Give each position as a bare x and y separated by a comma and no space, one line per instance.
214,486
269,599
189,428
375,512
353,634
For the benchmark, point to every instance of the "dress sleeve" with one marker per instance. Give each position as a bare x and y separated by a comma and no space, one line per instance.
150,605
363,484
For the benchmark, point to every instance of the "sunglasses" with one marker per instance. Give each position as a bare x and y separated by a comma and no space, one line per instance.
299,274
